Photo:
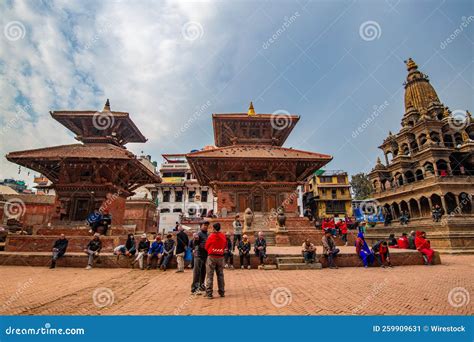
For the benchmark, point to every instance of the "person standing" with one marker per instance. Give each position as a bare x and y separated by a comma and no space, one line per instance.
93,249
193,245
244,252
182,242
228,255
200,259
329,248
59,249
143,247
237,225
215,246
342,226
260,248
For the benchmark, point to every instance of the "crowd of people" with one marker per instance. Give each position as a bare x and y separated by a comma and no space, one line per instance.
212,252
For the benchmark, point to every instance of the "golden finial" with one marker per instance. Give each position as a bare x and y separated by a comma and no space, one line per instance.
468,114
379,161
411,64
446,112
107,106
390,133
251,110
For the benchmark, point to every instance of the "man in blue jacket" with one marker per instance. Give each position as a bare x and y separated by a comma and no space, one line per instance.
155,252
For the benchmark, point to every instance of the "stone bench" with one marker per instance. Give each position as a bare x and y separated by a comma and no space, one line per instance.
108,260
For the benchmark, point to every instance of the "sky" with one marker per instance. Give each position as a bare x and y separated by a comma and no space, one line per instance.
171,64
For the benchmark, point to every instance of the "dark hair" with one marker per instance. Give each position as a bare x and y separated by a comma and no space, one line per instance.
384,243
205,223
404,234
217,226
169,236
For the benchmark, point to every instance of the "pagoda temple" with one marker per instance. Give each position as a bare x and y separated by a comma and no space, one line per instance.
98,172
428,163
249,168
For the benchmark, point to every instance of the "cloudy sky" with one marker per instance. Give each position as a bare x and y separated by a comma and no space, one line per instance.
338,64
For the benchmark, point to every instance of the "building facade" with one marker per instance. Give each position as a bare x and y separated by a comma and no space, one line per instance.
429,162
180,196
327,193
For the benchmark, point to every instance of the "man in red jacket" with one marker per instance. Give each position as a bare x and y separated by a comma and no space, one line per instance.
215,245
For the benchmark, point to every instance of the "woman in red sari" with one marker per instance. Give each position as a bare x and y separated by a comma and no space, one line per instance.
423,246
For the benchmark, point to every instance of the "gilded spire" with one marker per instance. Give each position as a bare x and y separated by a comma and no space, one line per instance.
468,114
419,93
251,110
379,161
411,64
107,106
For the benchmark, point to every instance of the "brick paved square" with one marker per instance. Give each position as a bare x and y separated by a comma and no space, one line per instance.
406,290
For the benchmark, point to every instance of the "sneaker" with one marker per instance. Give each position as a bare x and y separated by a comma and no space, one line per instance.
226,266
248,267
242,267
209,296
222,295
88,267
231,267
179,271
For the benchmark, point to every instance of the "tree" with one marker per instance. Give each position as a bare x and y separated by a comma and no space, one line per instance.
361,186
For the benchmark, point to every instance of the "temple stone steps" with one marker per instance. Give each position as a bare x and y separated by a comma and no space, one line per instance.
296,263
108,260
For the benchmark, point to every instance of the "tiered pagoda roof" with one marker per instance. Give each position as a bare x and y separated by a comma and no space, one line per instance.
253,141
102,147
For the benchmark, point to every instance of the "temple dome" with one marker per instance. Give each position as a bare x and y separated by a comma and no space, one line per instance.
419,93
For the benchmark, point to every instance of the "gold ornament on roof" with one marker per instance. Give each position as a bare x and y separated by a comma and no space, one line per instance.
251,110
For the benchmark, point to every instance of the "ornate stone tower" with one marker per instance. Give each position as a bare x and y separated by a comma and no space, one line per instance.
429,162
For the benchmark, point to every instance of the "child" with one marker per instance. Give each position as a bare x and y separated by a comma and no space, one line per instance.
384,255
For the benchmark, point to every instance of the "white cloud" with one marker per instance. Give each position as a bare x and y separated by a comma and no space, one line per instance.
77,55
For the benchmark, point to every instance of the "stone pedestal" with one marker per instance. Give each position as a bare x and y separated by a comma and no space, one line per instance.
282,238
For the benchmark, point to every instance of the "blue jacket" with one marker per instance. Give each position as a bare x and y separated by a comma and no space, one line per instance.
156,248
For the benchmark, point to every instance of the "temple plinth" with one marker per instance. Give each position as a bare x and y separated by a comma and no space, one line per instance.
98,172
249,168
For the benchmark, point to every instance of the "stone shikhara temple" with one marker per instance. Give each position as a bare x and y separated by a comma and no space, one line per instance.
97,172
429,162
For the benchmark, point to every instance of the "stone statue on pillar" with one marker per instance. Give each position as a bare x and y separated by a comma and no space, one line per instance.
248,220
281,218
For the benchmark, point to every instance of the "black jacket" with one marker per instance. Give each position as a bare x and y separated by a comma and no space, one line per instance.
202,253
182,242
143,246
61,245
94,245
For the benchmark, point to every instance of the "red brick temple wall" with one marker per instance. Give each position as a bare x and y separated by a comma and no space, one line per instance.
141,213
